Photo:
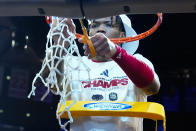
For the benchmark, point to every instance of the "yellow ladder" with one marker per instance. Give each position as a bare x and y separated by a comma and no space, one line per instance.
149,110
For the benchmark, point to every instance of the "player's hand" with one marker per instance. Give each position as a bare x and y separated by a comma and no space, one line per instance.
103,46
57,29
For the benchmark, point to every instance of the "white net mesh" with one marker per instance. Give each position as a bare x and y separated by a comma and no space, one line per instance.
59,79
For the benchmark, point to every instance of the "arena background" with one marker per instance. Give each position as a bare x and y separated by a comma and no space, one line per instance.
171,49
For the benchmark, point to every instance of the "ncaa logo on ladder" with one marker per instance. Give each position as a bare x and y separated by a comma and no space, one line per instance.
107,106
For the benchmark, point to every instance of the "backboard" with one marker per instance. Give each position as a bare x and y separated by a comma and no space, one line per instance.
93,8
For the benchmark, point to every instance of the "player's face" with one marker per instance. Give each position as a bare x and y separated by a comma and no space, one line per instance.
108,26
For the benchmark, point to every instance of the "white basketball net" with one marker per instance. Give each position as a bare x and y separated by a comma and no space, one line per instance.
55,55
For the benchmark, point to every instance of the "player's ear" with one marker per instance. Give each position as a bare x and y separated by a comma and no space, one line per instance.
122,34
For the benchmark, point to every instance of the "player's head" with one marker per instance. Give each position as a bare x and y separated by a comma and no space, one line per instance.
111,27
115,27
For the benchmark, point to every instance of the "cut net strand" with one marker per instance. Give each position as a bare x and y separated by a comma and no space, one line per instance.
57,79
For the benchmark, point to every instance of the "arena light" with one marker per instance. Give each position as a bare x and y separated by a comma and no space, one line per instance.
26,37
8,77
1,111
13,43
13,34
25,47
28,114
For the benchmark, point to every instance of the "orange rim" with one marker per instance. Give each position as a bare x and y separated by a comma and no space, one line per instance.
134,38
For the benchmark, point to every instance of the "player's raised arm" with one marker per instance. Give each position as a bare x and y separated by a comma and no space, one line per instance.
60,38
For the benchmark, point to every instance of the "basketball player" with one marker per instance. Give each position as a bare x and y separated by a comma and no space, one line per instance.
117,74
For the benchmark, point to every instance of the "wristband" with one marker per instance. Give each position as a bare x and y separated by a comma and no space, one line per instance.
139,72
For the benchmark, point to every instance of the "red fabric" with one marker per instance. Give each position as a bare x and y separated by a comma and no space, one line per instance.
140,73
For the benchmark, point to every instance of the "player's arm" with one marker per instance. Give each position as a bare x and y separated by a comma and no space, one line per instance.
153,87
141,74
